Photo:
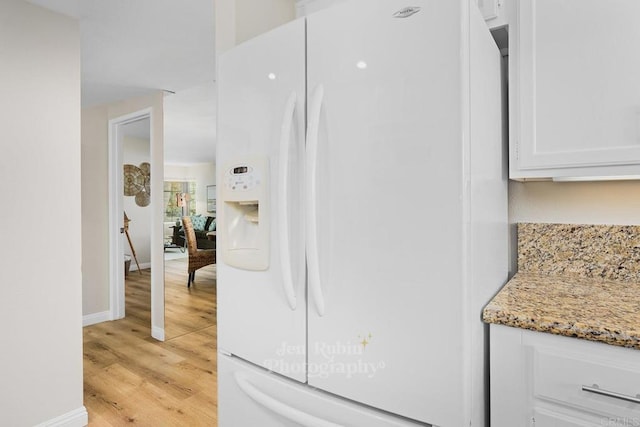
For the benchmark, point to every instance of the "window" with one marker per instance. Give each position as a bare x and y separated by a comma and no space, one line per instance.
172,189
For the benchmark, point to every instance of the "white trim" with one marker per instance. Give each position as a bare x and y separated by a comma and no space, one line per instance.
116,219
76,418
116,249
157,333
93,318
157,225
116,307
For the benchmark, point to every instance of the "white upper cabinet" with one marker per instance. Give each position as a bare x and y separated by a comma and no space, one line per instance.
575,89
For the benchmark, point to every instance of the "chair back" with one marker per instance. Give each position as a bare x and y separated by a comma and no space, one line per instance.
190,235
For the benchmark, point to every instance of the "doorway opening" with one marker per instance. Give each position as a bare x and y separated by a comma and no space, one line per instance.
132,204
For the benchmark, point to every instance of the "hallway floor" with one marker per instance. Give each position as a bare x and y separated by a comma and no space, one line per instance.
132,379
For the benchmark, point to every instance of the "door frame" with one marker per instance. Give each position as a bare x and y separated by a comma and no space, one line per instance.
116,223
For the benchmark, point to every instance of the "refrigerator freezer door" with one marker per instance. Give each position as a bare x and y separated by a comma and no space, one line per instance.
262,314
388,209
250,396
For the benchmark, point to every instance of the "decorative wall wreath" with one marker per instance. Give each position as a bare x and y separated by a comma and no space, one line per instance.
137,183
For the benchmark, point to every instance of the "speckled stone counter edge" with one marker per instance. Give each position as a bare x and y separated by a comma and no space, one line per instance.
574,280
561,306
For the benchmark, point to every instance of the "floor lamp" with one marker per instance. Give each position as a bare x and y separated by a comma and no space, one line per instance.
126,232
182,200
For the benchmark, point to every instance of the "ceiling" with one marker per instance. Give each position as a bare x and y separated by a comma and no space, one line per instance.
133,48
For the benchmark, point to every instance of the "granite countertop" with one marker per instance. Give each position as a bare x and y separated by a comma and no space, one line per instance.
597,310
574,280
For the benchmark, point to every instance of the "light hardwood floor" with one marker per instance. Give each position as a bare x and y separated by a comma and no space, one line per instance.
132,379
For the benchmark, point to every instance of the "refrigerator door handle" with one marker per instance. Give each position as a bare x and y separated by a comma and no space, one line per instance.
285,252
312,230
279,407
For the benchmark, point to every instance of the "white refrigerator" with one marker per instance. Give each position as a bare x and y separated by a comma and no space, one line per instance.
362,218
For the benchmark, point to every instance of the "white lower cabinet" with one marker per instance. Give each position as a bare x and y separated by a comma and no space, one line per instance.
545,380
564,418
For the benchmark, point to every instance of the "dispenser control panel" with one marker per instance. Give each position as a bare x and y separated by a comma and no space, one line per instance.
243,214
241,178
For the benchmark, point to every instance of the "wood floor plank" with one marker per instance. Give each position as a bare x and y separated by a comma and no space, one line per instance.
132,379
198,349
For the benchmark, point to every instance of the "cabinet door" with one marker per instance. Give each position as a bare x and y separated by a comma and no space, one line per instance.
577,86
538,380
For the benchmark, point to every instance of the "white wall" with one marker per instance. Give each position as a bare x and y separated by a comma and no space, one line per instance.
95,202
95,211
136,151
205,174
254,17
606,202
241,20
225,18
40,307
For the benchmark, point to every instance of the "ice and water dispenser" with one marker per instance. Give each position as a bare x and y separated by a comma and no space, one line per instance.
246,214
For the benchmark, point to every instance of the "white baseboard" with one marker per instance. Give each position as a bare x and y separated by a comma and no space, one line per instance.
157,333
76,418
92,319
143,266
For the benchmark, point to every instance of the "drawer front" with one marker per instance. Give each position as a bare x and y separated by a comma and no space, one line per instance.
602,383
543,417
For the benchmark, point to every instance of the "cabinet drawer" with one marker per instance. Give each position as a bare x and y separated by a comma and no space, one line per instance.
581,380
562,418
